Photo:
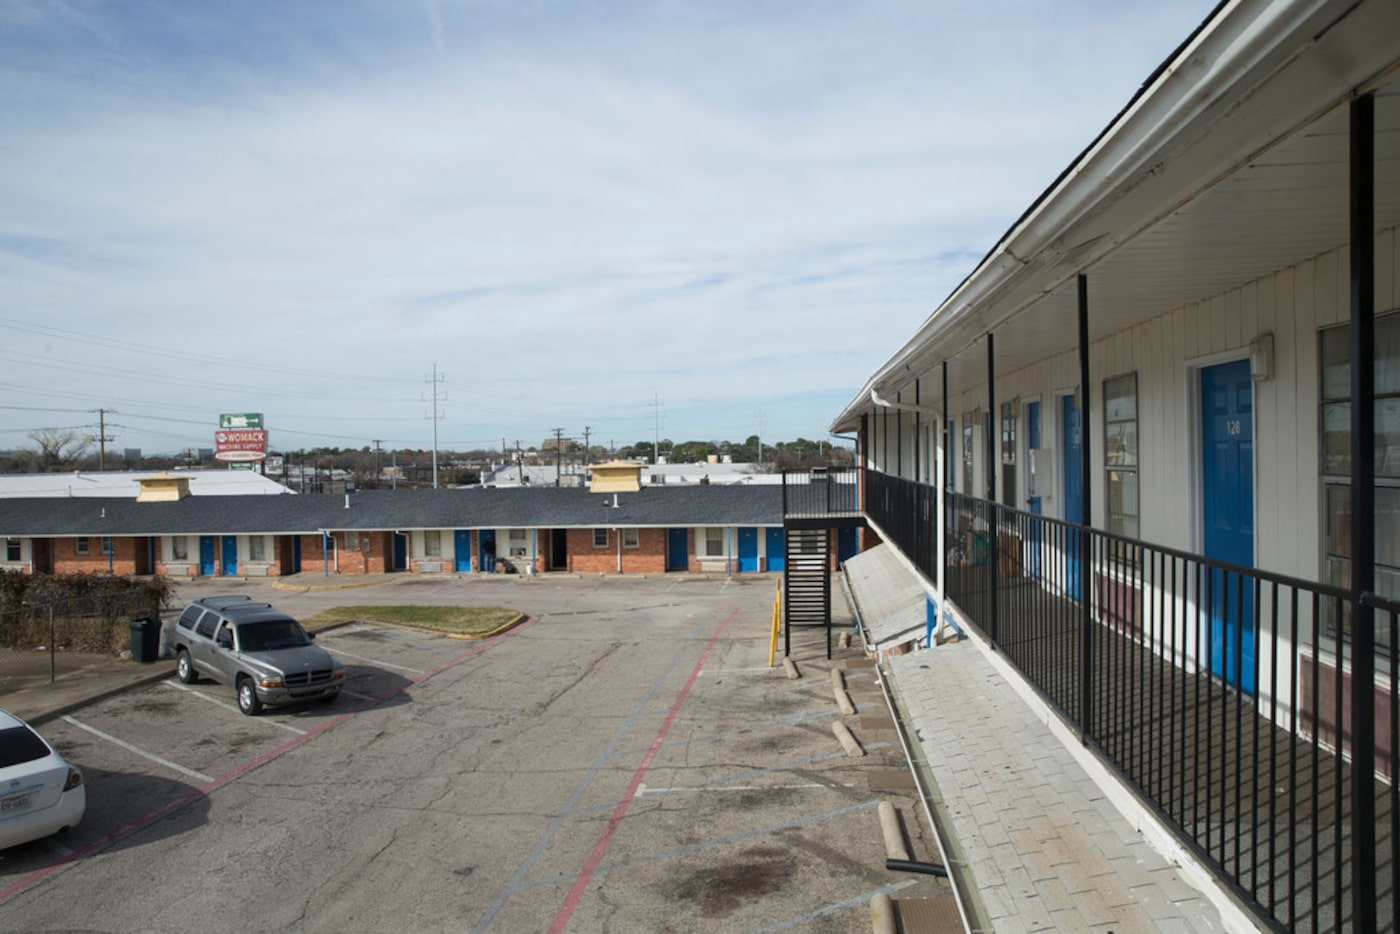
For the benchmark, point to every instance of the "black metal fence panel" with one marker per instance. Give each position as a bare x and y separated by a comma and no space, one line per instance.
1221,693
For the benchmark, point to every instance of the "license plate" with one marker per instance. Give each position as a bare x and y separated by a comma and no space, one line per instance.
15,803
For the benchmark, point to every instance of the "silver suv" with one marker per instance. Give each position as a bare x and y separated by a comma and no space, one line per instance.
262,653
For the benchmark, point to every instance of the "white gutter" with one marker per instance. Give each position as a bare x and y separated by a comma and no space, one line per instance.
905,406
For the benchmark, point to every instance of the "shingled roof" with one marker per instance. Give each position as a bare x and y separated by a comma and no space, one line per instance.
476,508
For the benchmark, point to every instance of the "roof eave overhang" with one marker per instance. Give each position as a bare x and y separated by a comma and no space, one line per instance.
1245,80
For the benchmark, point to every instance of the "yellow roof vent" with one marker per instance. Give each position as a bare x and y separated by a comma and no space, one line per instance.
163,488
616,477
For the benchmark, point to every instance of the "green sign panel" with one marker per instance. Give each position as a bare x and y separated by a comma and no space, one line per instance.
246,420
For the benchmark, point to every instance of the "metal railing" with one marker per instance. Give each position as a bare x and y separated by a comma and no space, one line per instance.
1222,694
822,492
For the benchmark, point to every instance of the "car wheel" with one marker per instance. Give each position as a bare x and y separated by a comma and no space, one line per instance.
184,668
248,697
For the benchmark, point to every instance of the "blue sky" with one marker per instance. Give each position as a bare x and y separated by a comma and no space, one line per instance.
572,209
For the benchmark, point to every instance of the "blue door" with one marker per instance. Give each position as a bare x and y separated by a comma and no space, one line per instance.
228,554
206,555
296,554
1227,487
1072,463
1035,502
748,549
847,544
777,561
400,551
488,550
462,545
677,549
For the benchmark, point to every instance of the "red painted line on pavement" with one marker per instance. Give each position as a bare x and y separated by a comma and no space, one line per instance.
595,857
158,813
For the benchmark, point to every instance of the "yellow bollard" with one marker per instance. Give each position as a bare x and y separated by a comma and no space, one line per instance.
777,619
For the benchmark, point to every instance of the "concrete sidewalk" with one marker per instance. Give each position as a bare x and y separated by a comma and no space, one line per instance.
1039,834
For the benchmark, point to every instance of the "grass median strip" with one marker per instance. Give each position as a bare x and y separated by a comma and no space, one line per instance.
466,622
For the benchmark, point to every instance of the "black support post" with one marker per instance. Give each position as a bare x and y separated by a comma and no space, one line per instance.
1363,498
947,434
1086,621
898,436
994,518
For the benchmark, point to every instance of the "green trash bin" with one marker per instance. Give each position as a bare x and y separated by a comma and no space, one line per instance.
145,640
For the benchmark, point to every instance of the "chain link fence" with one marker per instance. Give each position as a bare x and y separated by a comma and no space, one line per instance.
53,625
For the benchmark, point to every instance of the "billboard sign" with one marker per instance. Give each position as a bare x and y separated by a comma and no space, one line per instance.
241,445
245,420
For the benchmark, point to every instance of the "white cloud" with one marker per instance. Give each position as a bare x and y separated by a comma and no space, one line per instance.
566,212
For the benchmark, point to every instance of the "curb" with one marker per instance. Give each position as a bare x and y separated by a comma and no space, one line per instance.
519,618
78,703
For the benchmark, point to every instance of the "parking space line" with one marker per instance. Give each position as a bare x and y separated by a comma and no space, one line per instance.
595,857
211,785
602,760
129,747
227,706
53,844
355,694
376,662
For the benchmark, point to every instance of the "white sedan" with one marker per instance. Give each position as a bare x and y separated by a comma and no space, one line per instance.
40,793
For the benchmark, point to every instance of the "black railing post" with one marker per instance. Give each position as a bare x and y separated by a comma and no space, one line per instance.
1086,619
1363,534
994,519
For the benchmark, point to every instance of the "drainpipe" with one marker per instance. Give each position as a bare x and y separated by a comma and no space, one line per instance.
534,549
1086,621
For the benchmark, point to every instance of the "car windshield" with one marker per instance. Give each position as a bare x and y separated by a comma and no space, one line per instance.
271,634
20,744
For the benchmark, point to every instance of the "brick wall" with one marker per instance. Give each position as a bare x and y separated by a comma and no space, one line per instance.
648,558
66,559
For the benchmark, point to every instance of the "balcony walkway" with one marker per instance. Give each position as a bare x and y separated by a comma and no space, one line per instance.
1044,846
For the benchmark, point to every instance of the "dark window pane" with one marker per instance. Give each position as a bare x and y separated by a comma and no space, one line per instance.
20,744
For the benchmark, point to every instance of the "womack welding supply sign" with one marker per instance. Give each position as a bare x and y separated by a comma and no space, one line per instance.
240,438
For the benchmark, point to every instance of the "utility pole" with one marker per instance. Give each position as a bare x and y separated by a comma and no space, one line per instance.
587,451
520,461
102,438
656,429
436,380
558,455
376,463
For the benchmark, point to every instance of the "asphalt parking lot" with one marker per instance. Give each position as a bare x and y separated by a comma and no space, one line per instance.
624,760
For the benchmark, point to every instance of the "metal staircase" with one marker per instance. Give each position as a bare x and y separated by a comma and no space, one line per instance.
807,581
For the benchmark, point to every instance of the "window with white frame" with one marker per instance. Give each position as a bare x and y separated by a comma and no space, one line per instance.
352,541
107,545
179,548
1120,447
600,538
631,538
12,550
432,542
256,545
714,542
1335,452
80,545
517,543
